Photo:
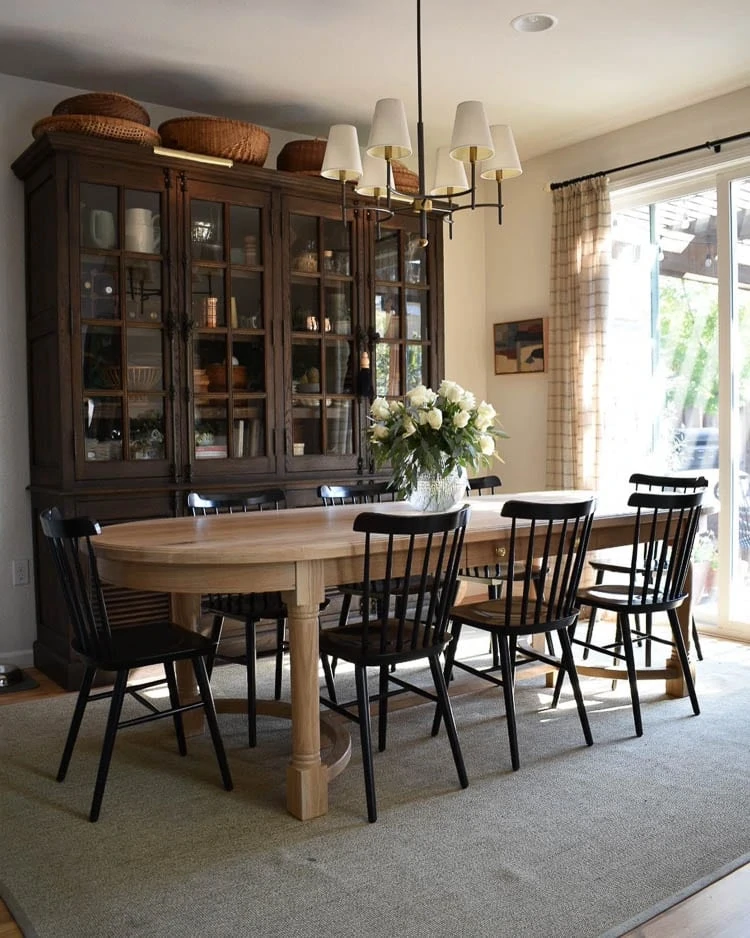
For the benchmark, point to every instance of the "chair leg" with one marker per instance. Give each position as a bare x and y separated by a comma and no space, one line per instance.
204,688
562,671
280,631
383,709
444,703
215,637
592,618
363,708
649,627
450,654
75,723
627,642
506,668
697,641
252,689
682,654
113,719
328,675
174,700
570,666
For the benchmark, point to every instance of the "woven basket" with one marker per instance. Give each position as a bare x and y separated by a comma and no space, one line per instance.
302,156
217,136
404,179
102,104
113,128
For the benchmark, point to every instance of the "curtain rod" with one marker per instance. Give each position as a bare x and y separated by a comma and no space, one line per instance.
714,145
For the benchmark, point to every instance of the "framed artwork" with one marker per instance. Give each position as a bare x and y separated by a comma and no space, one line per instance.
519,346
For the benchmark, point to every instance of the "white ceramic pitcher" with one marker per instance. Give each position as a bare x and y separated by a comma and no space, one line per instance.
142,231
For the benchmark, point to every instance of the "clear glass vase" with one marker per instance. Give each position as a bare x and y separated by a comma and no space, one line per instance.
435,492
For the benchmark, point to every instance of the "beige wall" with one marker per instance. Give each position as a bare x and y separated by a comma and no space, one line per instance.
491,274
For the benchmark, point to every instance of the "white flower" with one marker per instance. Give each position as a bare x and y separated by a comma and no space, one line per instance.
380,409
486,413
380,432
410,428
435,418
486,444
422,417
461,418
420,396
467,401
396,407
451,391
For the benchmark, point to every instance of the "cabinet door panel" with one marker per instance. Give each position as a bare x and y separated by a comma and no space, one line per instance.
230,359
321,258
120,293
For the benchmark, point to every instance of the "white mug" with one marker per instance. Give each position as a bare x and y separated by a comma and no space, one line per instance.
102,228
142,231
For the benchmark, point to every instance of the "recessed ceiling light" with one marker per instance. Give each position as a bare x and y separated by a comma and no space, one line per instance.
533,22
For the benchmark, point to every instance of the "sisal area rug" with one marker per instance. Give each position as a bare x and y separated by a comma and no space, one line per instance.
575,843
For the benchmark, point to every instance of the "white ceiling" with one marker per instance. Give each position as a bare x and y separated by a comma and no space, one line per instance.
301,65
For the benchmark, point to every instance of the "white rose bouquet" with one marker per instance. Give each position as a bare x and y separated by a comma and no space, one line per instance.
435,433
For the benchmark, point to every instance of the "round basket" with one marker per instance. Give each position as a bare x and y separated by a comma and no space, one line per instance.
104,104
217,136
404,179
113,128
302,156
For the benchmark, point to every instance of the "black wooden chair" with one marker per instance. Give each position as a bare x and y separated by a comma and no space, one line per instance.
541,601
120,651
406,548
616,563
665,525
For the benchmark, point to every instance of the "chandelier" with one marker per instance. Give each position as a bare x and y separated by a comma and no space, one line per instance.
490,152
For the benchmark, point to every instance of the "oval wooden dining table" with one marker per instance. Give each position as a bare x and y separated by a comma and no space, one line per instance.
300,552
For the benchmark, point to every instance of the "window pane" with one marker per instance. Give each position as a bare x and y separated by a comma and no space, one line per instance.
210,429
102,424
99,217
387,370
143,296
99,287
206,230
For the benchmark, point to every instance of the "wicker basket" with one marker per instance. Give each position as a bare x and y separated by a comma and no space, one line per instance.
404,179
102,104
144,377
302,156
217,136
113,128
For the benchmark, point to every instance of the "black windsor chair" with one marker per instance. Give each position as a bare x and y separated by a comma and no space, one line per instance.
409,548
120,651
249,608
664,530
538,601
613,563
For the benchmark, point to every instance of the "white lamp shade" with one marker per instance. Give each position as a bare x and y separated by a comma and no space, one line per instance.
505,163
389,130
341,159
450,174
374,181
471,130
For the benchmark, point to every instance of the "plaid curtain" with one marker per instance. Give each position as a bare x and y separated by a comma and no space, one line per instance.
578,319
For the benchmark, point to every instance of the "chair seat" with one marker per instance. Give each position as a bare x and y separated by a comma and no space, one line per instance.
345,641
138,646
246,605
614,598
490,615
377,587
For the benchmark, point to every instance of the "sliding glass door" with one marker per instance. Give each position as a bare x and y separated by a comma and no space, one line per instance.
677,395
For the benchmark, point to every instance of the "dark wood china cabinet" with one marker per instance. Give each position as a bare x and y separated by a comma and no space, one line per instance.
195,326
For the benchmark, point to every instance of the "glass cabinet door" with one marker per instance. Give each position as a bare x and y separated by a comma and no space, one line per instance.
402,313
231,331
322,365
121,302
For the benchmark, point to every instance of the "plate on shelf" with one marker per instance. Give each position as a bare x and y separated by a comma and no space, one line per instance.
309,388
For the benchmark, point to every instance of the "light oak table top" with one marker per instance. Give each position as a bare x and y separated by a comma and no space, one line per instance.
299,552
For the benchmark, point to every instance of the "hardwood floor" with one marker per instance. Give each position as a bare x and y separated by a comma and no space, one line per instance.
720,910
